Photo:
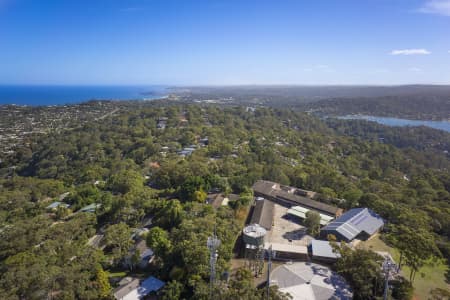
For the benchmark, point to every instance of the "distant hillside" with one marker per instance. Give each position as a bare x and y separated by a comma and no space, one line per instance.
431,102
419,107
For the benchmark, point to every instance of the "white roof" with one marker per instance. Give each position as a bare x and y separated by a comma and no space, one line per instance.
225,201
308,281
301,211
149,285
133,295
254,230
287,248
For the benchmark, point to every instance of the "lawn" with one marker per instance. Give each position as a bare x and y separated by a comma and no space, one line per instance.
427,278
117,274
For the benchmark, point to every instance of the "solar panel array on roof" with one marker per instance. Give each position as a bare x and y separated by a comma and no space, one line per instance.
353,222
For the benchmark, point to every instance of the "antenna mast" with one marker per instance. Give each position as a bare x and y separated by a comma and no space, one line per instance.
269,267
213,243
389,270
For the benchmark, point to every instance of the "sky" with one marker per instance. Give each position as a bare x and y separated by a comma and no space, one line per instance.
224,42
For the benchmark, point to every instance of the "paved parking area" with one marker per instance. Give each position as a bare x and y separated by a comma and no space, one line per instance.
287,229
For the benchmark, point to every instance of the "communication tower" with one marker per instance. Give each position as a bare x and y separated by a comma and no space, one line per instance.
213,244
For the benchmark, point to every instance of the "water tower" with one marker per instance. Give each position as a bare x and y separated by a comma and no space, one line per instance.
253,236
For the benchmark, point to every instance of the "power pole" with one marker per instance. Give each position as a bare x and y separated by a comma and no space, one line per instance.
388,268
269,267
213,243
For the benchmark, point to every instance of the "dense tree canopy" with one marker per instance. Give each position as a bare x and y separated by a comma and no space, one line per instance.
132,169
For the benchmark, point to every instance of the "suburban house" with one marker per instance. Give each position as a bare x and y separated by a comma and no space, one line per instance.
162,123
91,208
291,196
147,221
134,289
145,254
217,199
63,196
57,204
139,255
357,223
187,151
204,142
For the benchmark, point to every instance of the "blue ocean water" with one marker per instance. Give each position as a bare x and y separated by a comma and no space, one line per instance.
442,125
57,95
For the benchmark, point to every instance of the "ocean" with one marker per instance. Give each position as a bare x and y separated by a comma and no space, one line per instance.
59,95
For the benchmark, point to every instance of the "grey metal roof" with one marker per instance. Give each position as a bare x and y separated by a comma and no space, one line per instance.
310,281
266,188
323,249
56,204
263,214
144,250
91,207
355,221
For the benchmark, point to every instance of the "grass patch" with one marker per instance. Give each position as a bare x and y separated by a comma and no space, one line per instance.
429,277
116,274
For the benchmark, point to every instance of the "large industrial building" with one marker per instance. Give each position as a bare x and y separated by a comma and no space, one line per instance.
291,196
357,223
275,232
310,281
277,209
274,218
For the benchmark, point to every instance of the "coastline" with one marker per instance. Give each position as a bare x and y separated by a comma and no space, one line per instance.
69,95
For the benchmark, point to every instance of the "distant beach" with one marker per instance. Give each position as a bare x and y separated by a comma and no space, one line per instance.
59,95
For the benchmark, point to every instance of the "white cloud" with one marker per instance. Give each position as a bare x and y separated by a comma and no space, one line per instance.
410,52
438,7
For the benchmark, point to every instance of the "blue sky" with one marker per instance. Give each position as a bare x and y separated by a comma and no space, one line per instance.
185,42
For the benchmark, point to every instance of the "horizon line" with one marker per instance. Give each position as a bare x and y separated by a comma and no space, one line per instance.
223,85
